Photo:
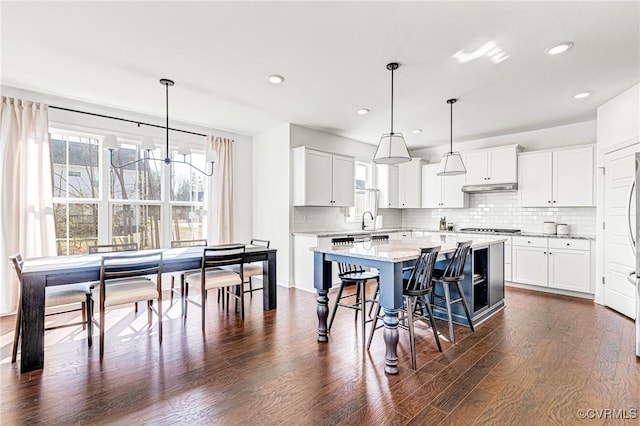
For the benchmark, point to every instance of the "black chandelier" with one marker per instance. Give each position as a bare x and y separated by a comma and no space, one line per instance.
110,142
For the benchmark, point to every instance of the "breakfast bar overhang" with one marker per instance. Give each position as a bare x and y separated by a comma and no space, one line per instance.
483,284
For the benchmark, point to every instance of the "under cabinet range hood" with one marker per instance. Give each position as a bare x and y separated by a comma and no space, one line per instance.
490,187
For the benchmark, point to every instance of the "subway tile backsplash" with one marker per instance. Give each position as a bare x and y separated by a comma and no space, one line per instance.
312,219
501,210
490,210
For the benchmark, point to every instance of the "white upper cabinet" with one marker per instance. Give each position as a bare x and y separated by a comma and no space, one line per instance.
493,165
387,184
573,177
322,179
410,184
442,191
558,178
343,180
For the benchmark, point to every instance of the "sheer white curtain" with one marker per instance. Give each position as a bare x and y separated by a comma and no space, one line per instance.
26,211
218,201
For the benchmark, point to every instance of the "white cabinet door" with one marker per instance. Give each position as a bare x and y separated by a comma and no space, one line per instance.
317,178
432,186
387,184
529,265
452,195
343,181
476,164
410,184
570,269
502,165
535,179
573,177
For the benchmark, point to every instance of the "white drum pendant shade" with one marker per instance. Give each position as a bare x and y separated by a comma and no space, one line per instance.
451,165
392,150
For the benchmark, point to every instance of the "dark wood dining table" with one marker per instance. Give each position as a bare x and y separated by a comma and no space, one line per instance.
42,272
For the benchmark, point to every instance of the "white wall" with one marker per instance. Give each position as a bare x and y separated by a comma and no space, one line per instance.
619,119
301,136
271,194
552,137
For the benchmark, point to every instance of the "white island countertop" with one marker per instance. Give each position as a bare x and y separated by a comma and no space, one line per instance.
401,250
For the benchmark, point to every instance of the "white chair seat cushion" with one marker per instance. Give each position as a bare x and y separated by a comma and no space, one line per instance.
250,269
118,292
65,294
214,278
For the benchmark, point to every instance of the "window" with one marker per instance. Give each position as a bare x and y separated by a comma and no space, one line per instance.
365,194
98,204
187,196
75,191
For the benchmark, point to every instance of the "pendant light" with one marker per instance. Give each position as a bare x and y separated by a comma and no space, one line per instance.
451,163
392,149
110,142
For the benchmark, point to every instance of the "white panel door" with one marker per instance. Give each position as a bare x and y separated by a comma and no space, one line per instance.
573,177
431,186
535,179
619,294
318,178
570,269
343,181
503,165
529,265
476,164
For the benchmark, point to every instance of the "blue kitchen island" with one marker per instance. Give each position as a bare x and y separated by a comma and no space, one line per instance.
483,284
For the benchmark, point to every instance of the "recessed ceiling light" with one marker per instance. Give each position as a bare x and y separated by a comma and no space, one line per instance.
275,79
416,131
582,95
559,48
363,111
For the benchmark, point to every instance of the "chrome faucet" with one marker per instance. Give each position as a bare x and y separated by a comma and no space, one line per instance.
363,215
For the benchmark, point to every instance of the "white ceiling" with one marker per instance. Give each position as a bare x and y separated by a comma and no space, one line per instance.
333,56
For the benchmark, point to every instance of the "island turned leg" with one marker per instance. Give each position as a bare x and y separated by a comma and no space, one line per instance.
322,284
391,337
323,313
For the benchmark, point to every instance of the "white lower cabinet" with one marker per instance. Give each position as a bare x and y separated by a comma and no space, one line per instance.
530,265
570,265
552,262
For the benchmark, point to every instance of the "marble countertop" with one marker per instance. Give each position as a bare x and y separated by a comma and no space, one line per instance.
405,249
344,233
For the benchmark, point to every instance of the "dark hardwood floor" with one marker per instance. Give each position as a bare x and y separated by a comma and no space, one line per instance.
540,361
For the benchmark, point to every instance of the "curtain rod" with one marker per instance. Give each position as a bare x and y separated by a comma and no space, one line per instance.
139,123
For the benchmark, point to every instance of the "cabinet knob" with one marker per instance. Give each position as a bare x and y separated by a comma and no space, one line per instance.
549,201
568,244
545,252
554,201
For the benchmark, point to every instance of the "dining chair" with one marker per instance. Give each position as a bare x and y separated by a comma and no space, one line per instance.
452,274
416,292
112,248
122,281
352,274
253,269
213,275
181,274
55,296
